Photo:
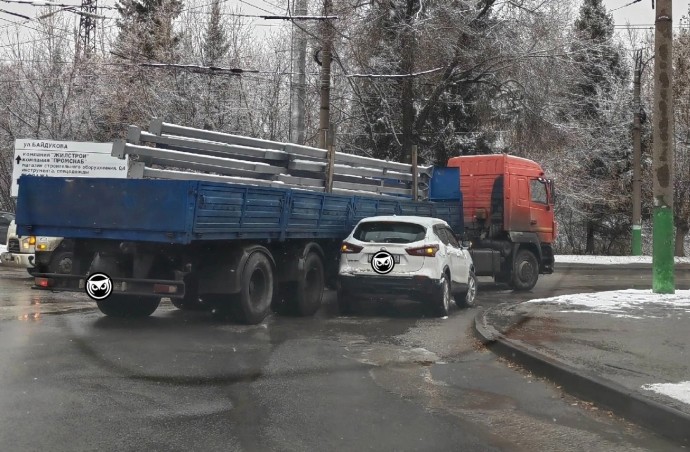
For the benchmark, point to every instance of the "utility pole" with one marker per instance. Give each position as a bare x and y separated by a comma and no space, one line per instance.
637,151
87,29
663,280
299,89
324,111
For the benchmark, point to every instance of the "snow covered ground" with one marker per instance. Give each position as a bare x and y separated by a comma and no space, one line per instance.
611,260
630,303
679,391
3,248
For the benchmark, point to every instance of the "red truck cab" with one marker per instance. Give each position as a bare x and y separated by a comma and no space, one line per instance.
508,208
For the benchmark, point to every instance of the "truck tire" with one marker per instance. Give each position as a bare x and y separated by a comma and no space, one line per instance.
61,262
442,297
466,298
302,298
253,302
121,306
525,271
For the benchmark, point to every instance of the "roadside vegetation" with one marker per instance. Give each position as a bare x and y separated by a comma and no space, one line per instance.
550,81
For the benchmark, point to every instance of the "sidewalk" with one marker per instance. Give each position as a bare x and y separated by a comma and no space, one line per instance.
628,351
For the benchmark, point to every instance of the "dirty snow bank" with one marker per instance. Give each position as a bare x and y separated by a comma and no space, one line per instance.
3,249
679,391
621,303
611,260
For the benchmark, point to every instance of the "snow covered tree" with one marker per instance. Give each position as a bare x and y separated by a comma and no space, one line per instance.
681,87
599,85
147,30
216,44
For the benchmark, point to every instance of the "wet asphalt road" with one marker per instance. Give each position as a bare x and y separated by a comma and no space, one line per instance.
388,378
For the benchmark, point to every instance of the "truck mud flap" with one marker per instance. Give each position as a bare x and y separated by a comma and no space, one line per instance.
57,282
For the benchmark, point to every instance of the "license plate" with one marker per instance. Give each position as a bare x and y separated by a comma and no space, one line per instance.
396,258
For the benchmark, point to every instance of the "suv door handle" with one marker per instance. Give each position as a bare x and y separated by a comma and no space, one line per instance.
533,222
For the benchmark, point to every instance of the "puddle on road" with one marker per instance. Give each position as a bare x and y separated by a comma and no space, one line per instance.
18,301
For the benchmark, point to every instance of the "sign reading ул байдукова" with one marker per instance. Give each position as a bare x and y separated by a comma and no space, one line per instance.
64,159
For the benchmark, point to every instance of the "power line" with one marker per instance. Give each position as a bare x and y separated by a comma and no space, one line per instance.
39,3
624,6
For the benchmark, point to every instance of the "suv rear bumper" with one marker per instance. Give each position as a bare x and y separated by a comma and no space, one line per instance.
388,285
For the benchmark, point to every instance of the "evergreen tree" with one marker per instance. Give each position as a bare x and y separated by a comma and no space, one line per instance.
598,105
216,44
597,57
146,29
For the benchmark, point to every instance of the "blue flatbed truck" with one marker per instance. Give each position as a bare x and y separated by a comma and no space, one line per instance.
230,247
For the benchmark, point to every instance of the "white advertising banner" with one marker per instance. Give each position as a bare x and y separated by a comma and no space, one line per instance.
65,159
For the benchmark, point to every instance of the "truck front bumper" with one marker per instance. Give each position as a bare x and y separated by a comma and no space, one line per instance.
57,282
17,260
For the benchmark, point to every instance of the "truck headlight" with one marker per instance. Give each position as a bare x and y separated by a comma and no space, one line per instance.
32,240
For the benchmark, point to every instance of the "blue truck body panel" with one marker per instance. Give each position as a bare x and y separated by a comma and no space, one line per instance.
181,212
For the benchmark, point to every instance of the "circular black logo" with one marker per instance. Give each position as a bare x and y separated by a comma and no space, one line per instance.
99,286
382,262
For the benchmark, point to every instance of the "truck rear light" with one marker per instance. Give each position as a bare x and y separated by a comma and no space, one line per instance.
427,251
164,288
349,248
32,240
43,282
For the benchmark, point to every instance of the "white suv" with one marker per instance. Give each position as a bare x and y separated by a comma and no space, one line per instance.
416,257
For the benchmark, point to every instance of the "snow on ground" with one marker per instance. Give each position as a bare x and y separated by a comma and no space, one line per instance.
611,260
629,303
679,391
3,249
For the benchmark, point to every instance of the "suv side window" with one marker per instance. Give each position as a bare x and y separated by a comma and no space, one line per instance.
441,233
451,238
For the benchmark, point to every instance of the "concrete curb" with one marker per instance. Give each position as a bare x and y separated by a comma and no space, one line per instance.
663,420
613,267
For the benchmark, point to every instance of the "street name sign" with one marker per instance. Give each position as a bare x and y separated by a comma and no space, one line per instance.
64,159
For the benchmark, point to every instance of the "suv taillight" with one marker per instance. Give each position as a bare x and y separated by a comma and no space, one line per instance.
428,251
349,248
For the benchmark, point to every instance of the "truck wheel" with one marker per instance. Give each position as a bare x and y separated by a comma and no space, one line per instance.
442,297
304,297
254,299
191,301
467,297
61,262
525,271
121,306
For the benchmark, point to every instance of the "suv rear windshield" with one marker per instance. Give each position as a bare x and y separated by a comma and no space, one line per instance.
389,232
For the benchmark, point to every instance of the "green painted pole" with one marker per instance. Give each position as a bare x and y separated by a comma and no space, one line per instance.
663,280
637,240
662,161
637,157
